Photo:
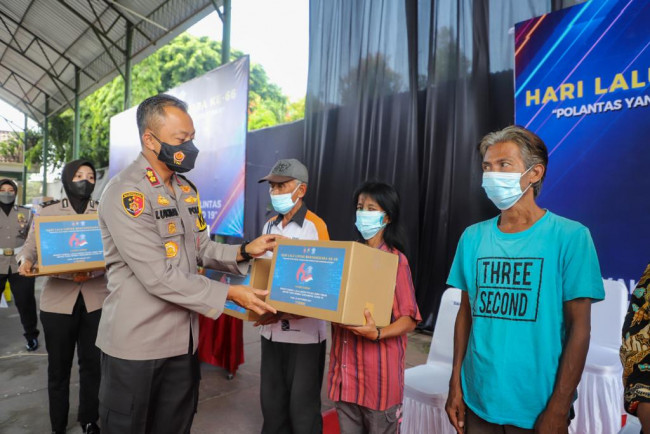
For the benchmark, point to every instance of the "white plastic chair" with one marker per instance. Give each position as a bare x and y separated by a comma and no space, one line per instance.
426,386
599,407
633,426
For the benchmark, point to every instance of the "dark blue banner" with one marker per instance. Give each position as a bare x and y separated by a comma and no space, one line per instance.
582,80
218,104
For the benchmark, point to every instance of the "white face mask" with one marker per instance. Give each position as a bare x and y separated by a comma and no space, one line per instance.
369,223
503,188
282,203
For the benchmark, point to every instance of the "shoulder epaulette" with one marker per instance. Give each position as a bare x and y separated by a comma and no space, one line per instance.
48,203
151,176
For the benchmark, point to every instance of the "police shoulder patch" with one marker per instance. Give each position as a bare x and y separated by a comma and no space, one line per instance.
133,203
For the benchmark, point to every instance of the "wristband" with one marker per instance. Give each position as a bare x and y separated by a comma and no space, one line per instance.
378,334
244,254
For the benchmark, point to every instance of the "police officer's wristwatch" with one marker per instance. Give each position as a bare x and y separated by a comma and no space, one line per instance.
244,254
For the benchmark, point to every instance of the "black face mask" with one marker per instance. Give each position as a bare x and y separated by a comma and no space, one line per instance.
81,189
178,158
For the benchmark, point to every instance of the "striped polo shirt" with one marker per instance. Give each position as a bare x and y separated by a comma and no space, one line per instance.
369,373
304,225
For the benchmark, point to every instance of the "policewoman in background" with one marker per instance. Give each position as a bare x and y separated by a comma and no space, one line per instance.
14,225
70,310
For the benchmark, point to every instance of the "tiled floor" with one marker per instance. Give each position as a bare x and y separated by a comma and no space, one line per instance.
226,406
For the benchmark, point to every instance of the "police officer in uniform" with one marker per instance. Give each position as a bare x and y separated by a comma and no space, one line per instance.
71,305
154,238
14,225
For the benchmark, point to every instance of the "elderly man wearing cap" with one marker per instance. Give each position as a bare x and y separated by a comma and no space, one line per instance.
293,348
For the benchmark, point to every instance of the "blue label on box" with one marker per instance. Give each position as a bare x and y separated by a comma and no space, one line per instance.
229,279
308,276
69,242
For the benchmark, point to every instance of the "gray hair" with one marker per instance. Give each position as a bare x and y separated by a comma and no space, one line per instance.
152,109
531,146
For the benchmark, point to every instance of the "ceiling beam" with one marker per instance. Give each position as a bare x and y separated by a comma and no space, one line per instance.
92,26
4,16
121,14
29,107
13,34
17,74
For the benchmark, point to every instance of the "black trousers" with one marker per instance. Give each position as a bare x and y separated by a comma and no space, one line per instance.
62,333
22,289
291,379
149,396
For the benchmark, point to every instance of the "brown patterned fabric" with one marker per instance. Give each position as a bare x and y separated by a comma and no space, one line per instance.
635,350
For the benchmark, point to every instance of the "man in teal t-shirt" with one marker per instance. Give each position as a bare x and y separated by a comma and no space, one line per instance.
528,278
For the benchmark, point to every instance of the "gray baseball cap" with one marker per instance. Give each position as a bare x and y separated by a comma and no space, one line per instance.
286,170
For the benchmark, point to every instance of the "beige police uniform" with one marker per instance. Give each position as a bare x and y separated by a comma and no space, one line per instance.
60,292
13,232
70,313
14,228
153,243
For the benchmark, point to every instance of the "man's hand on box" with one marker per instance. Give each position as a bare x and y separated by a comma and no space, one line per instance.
263,244
81,277
368,331
249,298
25,267
267,319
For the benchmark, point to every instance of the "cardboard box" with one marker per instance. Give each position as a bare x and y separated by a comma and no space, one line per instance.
333,281
258,278
68,244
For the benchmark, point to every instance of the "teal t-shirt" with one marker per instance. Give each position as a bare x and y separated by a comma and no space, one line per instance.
517,284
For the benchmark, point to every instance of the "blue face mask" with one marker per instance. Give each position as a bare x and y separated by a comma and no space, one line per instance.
369,223
503,188
282,203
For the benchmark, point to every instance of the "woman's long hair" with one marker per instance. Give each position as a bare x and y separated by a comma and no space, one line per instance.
388,199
